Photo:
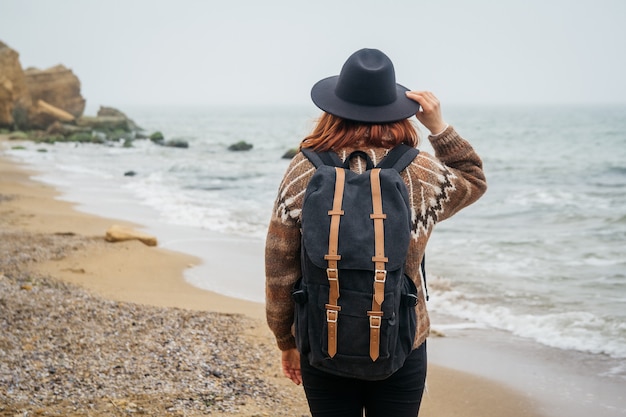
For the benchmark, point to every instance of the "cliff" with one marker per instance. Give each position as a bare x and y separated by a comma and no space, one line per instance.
36,98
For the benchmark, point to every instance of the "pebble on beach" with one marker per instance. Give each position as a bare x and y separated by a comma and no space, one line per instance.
64,351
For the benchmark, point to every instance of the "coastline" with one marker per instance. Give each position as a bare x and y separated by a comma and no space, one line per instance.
131,272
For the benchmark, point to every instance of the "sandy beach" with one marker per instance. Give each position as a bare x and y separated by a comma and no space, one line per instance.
94,328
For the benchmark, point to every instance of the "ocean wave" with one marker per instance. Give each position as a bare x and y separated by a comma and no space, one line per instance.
598,260
571,330
201,208
618,220
538,198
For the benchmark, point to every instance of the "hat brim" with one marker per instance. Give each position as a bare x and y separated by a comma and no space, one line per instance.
324,97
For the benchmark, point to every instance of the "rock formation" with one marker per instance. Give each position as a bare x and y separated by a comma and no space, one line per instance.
15,100
57,86
48,103
36,98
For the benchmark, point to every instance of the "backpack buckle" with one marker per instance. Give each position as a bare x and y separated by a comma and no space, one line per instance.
332,273
375,319
332,313
375,322
380,275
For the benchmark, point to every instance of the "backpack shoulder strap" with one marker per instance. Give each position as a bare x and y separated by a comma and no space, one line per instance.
322,158
399,157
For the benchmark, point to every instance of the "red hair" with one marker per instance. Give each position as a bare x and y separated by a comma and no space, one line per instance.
332,133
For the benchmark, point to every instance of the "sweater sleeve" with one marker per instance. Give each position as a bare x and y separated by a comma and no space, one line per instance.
282,270
282,251
443,184
463,167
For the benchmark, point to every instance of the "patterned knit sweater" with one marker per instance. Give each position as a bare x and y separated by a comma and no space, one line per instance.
439,186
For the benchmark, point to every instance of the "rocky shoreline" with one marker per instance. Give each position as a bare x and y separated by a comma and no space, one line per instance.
64,351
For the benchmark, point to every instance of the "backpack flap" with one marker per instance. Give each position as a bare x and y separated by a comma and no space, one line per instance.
356,230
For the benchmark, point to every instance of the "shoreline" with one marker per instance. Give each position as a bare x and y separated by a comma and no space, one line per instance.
132,272
47,213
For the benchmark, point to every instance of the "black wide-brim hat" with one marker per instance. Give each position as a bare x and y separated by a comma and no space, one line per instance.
365,90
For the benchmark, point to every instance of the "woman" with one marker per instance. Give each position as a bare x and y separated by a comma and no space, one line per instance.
364,109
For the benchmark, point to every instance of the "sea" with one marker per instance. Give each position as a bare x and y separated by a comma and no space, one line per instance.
538,262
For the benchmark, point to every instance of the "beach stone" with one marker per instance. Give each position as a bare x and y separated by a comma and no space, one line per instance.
177,143
64,129
44,114
54,112
18,135
290,153
82,137
118,233
104,111
106,123
240,146
157,137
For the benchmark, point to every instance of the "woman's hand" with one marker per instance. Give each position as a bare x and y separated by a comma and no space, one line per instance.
291,365
430,112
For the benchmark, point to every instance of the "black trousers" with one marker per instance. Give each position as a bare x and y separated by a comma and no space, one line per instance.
399,395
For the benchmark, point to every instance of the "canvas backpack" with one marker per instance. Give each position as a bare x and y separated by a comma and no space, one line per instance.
355,306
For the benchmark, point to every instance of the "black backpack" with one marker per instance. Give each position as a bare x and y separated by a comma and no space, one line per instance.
355,307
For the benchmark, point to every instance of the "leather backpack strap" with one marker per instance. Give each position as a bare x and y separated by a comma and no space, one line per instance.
399,158
333,257
379,259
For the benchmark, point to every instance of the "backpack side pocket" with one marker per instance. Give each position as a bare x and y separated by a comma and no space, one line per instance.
299,295
408,315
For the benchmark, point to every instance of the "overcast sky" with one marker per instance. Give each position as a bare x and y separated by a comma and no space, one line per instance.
181,52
